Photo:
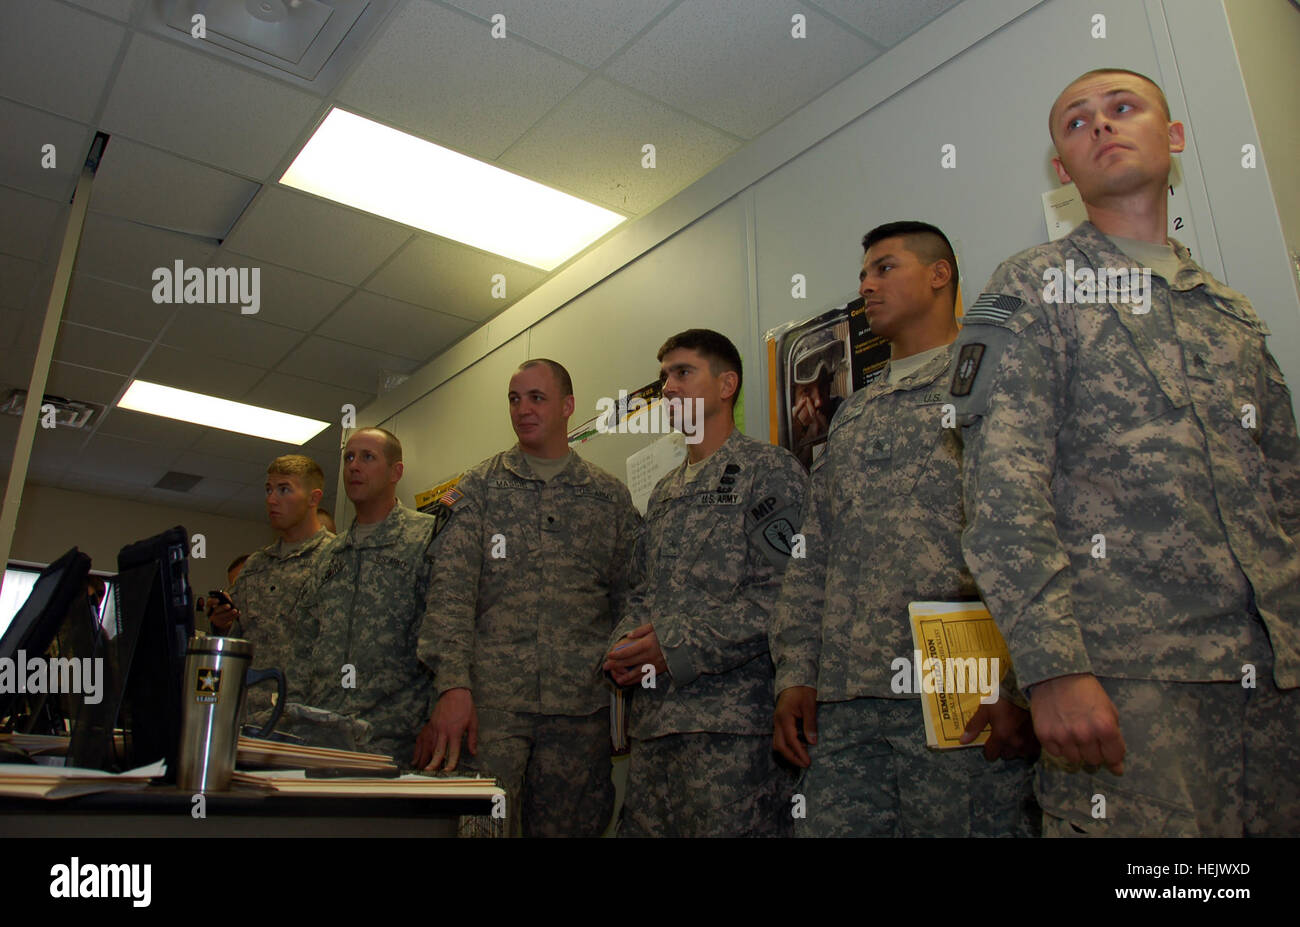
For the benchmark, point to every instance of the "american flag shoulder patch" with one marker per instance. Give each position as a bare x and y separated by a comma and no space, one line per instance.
995,308
451,497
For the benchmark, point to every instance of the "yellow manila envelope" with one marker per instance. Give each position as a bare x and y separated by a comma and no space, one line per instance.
959,661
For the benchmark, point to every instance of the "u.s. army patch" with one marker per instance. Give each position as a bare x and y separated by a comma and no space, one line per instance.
966,368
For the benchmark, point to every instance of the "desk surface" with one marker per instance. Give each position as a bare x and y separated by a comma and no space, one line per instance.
168,812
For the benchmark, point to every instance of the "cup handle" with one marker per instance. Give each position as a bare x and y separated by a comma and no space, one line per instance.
255,676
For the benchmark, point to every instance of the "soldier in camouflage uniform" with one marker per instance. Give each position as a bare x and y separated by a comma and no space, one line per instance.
693,645
1132,480
534,554
362,609
266,590
882,527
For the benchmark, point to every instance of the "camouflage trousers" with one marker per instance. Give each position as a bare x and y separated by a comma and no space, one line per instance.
706,785
1203,759
872,775
556,771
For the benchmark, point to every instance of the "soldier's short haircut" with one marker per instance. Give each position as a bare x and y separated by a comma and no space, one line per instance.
307,470
714,347
561,375
392,447
1160,94
921,238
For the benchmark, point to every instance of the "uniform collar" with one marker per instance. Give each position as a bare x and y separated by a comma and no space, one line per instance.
1099,251
387,533
928,373
574,473
719,457
316,540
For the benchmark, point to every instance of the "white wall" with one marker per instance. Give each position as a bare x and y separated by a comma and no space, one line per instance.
799,198
1267,36
52,520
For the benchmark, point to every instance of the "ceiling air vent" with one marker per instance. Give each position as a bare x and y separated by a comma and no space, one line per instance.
68,413
306,42
177,482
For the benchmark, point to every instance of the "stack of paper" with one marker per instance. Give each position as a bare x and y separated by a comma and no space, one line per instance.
411,785
31,781
254,752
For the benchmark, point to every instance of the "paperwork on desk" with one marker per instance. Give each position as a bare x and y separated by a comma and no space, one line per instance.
22,780
411,785
960,658
254,752
38,744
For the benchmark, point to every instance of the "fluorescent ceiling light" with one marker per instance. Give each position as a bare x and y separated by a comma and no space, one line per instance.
185,406
363,164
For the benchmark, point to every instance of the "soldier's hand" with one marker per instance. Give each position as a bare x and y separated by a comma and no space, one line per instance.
223,616
1076,722
795,703
639,647
453,717
1012,734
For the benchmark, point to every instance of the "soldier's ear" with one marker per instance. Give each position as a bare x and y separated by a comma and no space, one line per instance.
1061,173
729,383
569,404
315,496
397,471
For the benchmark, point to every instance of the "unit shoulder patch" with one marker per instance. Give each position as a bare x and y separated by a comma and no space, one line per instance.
967,367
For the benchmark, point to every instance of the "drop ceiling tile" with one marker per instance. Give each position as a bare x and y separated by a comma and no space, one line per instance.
591,145
116,308
343,365
18,282
73,382
241,473
26,133
226,336
11,326
199,373
311,398
56,57
128,462
206,490
312,235
8,435
183,100
101,486
44,476
118,9
748,83
289,298
385,324
127,253
586,31
90,347
453,279
141,426
887,22
54,449
156,188
232,446
29,224
441,75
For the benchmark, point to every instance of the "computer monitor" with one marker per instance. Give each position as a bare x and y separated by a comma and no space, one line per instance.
155,619
56,604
